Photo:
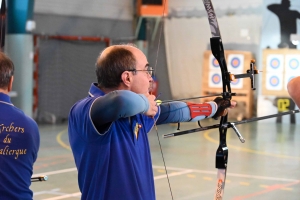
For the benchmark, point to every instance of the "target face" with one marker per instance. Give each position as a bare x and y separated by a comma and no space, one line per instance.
275,63
237,84
214,64
292,64
274,81
236,63
215,79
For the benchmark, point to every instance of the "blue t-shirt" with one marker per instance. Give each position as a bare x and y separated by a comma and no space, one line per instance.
115,164
19,144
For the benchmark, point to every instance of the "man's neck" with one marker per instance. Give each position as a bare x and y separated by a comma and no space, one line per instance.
3,91
107,90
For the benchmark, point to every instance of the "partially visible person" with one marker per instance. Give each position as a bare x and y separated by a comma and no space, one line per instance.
288,22
294,90
108,130
19,141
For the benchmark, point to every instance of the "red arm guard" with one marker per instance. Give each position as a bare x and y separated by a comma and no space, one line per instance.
197,109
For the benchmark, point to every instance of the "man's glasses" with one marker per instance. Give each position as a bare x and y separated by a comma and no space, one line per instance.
149,70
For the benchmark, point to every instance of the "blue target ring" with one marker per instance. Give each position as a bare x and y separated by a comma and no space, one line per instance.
235,82
274,81
235,62
215,62
294,63
275,63
216,78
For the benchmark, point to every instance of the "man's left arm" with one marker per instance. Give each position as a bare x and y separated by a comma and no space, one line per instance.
178,111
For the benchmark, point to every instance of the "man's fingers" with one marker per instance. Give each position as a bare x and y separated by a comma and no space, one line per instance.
233,104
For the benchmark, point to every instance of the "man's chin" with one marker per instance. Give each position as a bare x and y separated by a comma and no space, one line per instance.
150,90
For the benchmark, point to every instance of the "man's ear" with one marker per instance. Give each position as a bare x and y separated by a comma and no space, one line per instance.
126,78
9,88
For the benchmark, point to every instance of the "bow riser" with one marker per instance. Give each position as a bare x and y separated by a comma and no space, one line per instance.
218,52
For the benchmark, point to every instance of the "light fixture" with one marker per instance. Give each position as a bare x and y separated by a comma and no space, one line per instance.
295,38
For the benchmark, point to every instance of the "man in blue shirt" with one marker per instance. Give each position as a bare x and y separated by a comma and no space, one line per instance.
19,141
108,129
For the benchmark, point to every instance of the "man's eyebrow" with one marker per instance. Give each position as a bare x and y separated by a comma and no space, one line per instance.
147,65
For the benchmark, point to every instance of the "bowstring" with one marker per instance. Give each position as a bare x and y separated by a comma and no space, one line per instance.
162,155
154,72
159,38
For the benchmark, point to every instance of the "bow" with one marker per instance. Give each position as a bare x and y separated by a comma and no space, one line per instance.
218,52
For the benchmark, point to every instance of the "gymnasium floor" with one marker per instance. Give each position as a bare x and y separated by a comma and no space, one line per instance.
266,166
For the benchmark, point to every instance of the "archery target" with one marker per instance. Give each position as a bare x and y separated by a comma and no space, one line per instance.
274,81
292,64
275,63
237,83
235,62
215,79
214,64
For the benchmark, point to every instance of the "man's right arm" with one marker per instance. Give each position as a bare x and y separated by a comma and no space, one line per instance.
119,104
